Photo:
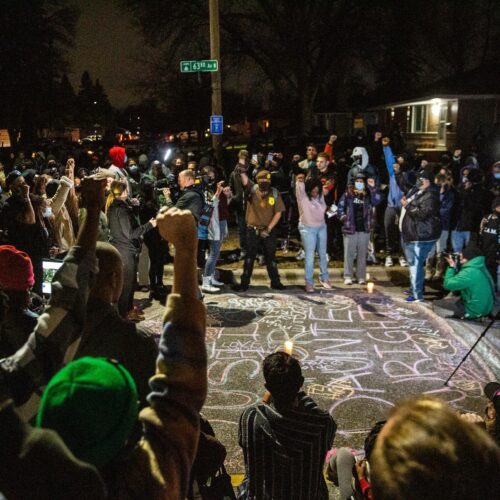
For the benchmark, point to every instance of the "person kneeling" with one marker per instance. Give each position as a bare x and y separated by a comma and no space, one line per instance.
472,279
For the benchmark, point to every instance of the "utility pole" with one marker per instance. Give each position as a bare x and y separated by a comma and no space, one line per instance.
213,6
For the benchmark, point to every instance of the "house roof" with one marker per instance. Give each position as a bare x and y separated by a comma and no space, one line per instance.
478,83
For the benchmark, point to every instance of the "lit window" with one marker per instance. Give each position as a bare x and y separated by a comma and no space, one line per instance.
419,118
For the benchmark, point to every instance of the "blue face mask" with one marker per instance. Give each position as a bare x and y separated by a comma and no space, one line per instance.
497,175
359,186
47,211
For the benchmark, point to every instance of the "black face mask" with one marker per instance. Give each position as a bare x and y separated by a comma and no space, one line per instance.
264,186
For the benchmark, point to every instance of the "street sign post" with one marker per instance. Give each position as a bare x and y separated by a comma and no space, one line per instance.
216,125
202,66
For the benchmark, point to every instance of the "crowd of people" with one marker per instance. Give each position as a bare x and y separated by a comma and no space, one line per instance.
91,406
357,205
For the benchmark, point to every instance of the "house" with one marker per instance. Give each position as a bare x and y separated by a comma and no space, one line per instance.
447,114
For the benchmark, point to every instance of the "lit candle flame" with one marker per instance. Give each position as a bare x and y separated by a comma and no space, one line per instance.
370,286
289,347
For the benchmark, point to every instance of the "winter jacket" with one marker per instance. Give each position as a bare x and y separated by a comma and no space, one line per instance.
238,200
191,199
470,207
420,218
124,229
446,205
490,238
346,211
475,285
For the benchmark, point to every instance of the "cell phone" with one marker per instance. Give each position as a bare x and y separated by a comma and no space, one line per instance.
254,157
270,156
49,270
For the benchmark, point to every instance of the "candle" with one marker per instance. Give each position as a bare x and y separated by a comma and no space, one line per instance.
367,276
289,347
370,286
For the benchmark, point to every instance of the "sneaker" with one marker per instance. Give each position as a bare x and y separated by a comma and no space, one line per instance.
348,281
301,255
411,298
361,282
326,284
388,261
215,282
309,288
403,262
278,286
207,286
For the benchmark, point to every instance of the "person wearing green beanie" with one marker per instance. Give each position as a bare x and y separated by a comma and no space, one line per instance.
92,403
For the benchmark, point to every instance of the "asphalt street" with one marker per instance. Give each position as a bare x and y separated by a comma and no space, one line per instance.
360,352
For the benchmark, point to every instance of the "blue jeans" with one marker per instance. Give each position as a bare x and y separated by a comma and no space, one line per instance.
214,250
314,238
416,252
459,240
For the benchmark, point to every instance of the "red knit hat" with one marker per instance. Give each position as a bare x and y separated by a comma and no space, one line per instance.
117,156
16,270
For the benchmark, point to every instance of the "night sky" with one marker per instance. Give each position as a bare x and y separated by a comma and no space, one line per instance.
108,46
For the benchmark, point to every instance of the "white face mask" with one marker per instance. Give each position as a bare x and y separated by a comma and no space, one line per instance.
359,186
47,211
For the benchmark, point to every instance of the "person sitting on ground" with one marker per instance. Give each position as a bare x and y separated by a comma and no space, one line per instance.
427,452
92,402
492,392
342,467
285,439
16,281
107,334
471,278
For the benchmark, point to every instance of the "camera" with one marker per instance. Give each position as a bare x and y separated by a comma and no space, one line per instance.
455,257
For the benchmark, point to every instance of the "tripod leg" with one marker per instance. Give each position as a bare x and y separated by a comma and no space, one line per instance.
471,349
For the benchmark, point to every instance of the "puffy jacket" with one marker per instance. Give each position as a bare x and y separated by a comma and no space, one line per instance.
475,285
346,211
421,220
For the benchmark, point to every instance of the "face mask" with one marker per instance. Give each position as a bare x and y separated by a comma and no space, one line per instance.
359,186
497,175
264,186
464,180
47,211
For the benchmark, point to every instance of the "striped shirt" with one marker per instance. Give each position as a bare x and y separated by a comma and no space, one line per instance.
285,452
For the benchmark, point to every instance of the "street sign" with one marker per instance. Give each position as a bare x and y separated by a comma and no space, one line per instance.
203,66
216,124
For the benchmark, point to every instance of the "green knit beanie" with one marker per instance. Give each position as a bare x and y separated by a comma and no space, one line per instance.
92,404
